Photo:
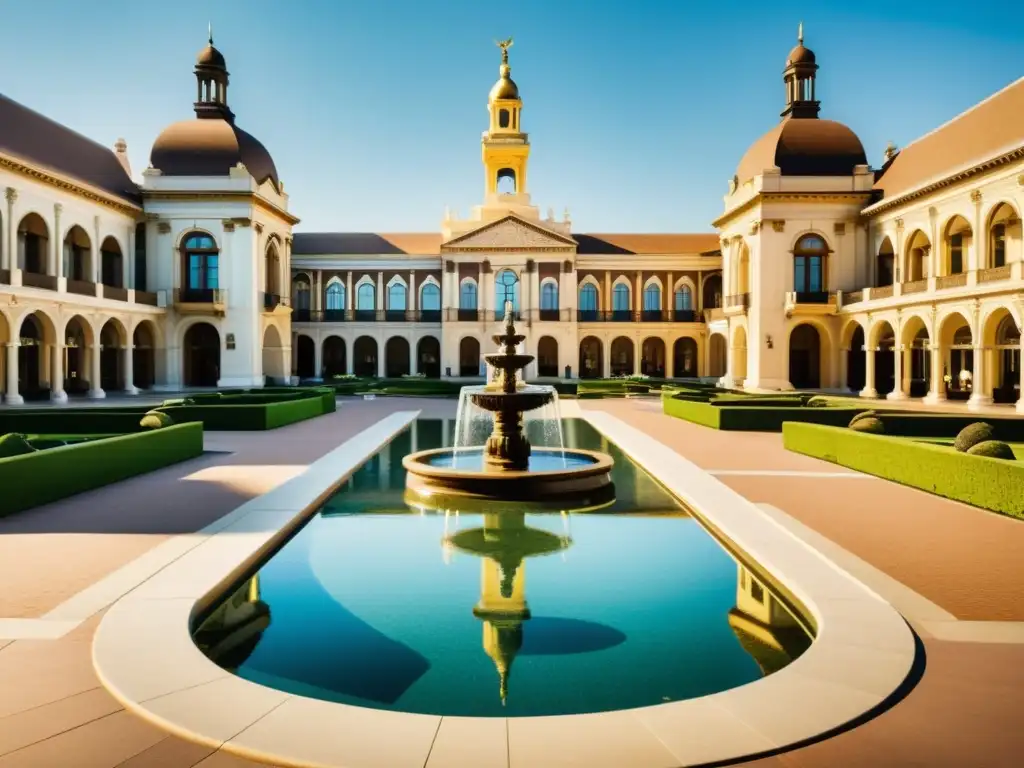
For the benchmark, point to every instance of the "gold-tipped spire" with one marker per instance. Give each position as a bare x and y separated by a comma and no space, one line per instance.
800,34
504,45
209,31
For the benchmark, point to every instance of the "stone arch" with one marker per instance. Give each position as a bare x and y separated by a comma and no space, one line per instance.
711,291
33,245
429,293
469,356
591,358
1001,333
852,341
622,354
112,262
397,357
684,295
738,354
885,263
1003,230
589,298
145,340
549,296
274,368
807,356
335,357
365,299
718,355
742,276
365,356
76,255
916,343
653,357
916,257
200,349
272,268
956,338
957,239
652,299
547,356
79,340
428,357
686,358
305,357
302,291
882,342
622,296
36,333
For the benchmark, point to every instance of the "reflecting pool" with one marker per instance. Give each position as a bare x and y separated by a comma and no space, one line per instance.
508,613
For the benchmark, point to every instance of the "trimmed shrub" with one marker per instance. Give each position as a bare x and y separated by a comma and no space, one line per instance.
44,476
870,424
72,421
993,449
972,435
14,444
946,425
864,415
818,402
156,420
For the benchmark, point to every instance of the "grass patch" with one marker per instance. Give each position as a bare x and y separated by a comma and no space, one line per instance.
44,476
251,410
993,484
739,411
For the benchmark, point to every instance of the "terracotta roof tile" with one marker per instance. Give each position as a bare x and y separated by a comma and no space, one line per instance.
984,131
596,244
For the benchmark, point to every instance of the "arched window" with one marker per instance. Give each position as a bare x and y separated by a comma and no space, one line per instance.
809,265
588,302
201,257
365,299
998,246
620,298
335,298
506,288
652,298
273,270
396,297
467,295
430,298
684,299
300,298
549,297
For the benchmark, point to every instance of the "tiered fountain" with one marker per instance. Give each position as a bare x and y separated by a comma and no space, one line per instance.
507,468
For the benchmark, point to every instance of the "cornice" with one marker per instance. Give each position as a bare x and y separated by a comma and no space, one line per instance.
886,203
790,197
454,249
222,197
84,191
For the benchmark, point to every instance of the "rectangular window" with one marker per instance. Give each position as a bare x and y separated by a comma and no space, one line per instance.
999,245
956,254
799,274
195,270
814,282
140,258
212,276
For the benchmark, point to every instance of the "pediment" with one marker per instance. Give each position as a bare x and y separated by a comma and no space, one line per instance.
510,234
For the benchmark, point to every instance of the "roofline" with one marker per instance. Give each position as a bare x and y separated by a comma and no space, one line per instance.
71,184
966,172
802,196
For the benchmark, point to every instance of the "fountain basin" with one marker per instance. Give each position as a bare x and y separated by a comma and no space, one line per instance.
554,479
521,401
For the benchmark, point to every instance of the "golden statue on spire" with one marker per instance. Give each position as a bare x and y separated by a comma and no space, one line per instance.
504,45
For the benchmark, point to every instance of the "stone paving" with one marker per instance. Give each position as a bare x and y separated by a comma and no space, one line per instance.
962,711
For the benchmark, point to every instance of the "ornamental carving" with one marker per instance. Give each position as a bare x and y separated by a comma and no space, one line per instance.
567,266
485,267
12,194
778,225
228,225
449,266
933,211
242,222
258,227
163,227
976,197
1020,180
899,223
755,227
839,228
510,234
57,208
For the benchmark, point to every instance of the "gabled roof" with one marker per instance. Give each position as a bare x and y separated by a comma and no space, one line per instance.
647,243
48,145
513,227
991,128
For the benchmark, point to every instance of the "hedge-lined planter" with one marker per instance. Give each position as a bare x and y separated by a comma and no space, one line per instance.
254,411
70,421
56,473
755,415
993,484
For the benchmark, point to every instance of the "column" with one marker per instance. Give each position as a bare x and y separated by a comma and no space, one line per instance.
979,379
13,396
412,294
1020,402
57,393
668,301
936,386
318,302
11,195
349,306
380,291
638,296
869,373
128,259
606,360
95,390
899,389
841,365
607,292
413,357
94,248
350,358
56,265
670,359
480,290
128,366
638,353
381,360
535,290
318,359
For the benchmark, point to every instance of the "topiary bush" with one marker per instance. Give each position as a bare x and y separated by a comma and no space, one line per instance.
870,424
864,415
973,434
156,420
993,449
818,402
14,444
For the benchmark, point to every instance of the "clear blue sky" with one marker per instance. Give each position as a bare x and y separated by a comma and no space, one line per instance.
638,110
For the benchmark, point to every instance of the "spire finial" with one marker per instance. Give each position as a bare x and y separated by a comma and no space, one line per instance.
209,29
800,34
504,45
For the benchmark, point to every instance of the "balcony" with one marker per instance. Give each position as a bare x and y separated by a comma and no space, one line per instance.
994,274
201,301
81,287
273,302
737,304
915,286
959,280
115,293
551,315
881,292
462,315
810,303
714,314
46,282
366,316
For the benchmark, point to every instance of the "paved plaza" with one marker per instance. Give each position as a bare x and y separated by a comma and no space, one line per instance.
953,571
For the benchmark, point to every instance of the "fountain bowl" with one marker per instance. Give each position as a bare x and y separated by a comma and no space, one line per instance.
449,478
522,400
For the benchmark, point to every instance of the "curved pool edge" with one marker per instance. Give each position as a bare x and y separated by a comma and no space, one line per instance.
144,655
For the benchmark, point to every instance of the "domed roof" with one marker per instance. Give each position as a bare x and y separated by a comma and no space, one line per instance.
210,57
505,88
210,147
804,147
800,55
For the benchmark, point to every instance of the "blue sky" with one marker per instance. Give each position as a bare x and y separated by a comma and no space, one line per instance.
638,110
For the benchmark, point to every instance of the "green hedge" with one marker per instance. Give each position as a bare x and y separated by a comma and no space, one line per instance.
1007,429
56,473
752,417
994,484
72,421
246,418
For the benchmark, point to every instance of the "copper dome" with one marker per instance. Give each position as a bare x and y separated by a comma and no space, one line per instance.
804,147
800,55
210,147
505,88
210,57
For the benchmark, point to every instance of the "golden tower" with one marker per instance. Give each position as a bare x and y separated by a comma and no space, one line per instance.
505,148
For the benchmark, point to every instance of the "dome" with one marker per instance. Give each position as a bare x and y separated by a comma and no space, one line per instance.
210,147
210,57
800,55
804,147
504,88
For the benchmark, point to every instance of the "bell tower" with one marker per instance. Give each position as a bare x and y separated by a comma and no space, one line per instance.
506,149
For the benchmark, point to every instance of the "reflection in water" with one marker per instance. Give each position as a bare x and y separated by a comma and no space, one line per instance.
637,608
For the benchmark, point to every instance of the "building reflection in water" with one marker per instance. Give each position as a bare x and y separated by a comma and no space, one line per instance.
764,626
230,634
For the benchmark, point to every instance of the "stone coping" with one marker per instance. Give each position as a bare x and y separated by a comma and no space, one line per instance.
143,652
